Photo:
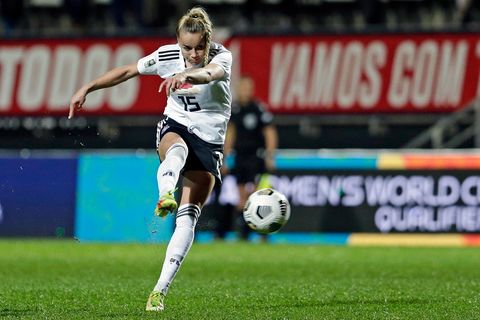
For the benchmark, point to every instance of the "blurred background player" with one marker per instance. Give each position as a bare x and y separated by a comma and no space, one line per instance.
253,139
190,139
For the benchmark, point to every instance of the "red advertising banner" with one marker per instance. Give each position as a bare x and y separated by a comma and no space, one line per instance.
394,73
388,73
39,77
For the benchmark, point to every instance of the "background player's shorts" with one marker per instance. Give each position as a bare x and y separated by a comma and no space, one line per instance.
201,154
248,168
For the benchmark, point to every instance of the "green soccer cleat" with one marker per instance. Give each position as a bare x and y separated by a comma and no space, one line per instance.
264,182
166,205
155,301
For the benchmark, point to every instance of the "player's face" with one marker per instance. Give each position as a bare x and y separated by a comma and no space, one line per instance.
192,46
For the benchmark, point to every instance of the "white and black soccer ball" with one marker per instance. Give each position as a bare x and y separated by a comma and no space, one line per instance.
266,211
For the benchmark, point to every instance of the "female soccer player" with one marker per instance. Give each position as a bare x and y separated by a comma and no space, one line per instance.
190,138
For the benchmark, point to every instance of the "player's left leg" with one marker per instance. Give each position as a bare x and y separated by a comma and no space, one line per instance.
197,186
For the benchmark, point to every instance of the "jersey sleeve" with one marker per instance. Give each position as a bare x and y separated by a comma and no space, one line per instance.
224,59
148,64
165,61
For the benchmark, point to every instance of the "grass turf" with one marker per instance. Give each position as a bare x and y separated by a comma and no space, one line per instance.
49,279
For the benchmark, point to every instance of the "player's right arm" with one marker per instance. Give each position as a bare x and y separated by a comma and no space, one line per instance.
109,79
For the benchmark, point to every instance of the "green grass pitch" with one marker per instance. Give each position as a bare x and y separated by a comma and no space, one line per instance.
61,279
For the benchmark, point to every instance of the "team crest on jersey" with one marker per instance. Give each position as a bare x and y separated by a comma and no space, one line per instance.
149,63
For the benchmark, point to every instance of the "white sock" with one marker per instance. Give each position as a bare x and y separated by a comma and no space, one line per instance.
169,170
179,245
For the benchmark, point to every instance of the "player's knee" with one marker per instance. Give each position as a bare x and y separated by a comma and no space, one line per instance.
187,216
179,150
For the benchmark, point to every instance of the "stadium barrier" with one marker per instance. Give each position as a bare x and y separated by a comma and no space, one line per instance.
343,197
37,195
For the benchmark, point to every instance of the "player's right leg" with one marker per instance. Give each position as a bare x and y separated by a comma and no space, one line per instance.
173,153
166,204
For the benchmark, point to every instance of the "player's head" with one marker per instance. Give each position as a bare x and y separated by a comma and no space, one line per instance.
245,89
194,33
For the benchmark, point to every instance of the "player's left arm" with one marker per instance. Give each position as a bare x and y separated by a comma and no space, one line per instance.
209,73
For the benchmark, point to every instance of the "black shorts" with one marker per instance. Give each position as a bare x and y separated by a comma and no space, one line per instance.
201,154
248,168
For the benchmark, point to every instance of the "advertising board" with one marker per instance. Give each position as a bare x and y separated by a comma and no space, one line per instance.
314,74
116,196
37,196
386,201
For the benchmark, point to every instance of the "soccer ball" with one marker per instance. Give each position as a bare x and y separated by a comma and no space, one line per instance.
266,211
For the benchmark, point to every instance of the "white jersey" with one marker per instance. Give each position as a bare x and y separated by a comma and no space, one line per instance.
203,108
